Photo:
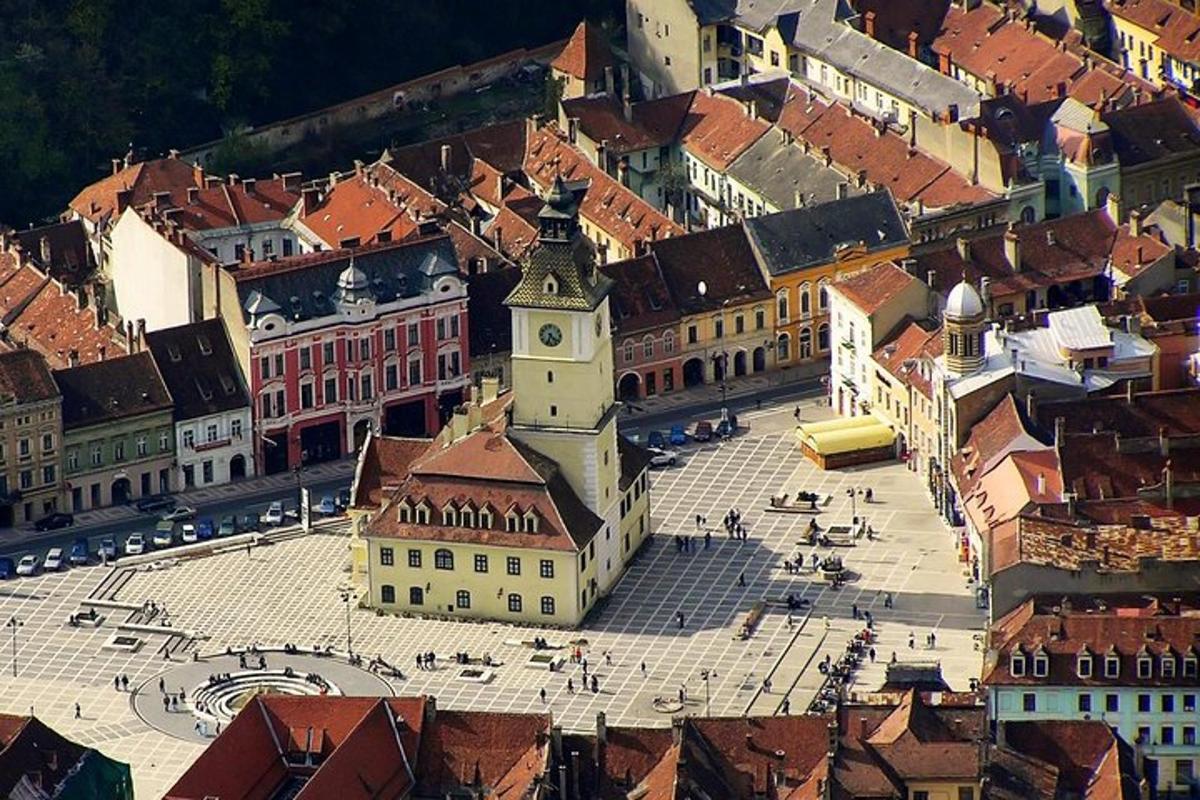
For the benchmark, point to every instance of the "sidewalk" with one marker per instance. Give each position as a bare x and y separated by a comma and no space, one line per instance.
282,482
735,389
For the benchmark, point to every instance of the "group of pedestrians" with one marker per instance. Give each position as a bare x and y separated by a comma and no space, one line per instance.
121,682
427,660
734,526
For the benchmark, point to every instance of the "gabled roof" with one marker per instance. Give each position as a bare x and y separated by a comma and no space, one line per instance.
652,123
382,465
107,391
722,258
490,330
1176,29
585,54
787,176
143,179
1087,757
25,378
232,204
718,129
35,758
1001,432
70,257
874,287
199,368
1151,131
639,300
377,204
500,750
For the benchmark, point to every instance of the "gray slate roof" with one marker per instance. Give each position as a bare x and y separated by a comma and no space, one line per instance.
198,366
805,237
107,391
303,287
776,171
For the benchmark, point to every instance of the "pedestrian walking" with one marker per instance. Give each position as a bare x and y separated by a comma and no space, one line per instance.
932,640
854,610
248,550
826,621
789,621
796,413
887,600
911,640
707,539
162,686
117,683
542,694
679,616
124,681
78,712
174,703
742,579
698,518
595,685
893,656
608,658
786,707
166,703
681,695
643,667
871,653
570,686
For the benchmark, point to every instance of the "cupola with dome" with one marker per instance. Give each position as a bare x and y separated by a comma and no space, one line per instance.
963,326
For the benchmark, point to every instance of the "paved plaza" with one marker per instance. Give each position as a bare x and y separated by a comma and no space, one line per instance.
288,593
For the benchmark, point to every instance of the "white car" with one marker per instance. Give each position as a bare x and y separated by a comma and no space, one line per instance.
662,458
54,560
135,545
179,514
28,565
189,534
274,515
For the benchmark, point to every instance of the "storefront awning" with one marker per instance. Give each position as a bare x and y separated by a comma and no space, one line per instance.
845,435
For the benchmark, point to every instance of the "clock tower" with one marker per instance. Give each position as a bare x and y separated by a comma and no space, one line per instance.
562,357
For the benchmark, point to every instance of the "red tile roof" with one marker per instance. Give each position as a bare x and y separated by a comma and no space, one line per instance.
992,438
1087,758
1066,627
585,54
620,213
900,354
501,749
886,160
25,378
1178,31
873,288
718,129
99,200
230,204
511,231
383,464
640,300
365,205
652,123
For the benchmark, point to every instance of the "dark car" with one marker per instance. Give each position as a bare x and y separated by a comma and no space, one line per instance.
703,432
205,529
81,553
52,522
657,439
8,568
251,522
727,427
155,502
343,499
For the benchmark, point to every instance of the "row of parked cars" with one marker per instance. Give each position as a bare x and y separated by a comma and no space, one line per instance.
659,443
176,524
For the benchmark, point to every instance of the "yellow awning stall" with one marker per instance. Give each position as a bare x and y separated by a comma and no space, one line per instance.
845,441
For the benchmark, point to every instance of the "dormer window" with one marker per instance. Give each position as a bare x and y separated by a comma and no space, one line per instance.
550,286
485,518
449,516
1189,665
1145,666
423,514
1166,665
1083,665
1112,666
405,511
511,522
1041,664
466,517
530,521
1016,664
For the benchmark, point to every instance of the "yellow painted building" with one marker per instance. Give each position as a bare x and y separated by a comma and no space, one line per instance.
528,505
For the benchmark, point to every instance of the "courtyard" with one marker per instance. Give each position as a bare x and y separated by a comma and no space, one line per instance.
289,593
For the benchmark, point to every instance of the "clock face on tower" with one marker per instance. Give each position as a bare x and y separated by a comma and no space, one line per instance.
550,334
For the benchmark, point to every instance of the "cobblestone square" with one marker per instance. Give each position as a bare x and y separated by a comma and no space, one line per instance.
289,593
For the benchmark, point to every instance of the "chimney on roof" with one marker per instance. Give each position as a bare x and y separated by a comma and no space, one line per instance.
572,129
610,84
193,194
914,43
129,339
1130,391
752,109
72,358
445,158
248,185
116,166
1169,484
310,197
860,178
676,730
863,729
1041,483
232,179
44,250
562,781
930,278
964,248
1031,405
826,155
100,352
1012,248
626,103
1135,223
744,78
1070,498
1112,207
869,24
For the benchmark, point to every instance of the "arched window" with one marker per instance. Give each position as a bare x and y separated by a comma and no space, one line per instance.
823,337
648,347
785,344
668,342
805,299
781,300
823,296
416,596
1028,215
628,350
462,598
443,559
804,343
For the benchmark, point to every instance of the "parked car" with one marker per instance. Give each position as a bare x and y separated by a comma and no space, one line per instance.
274,515
8,568
188,533
135,544
662,458
678,435
342,499
727,427
55,560
108,548
164,534
52,522
179,514
228,527
251,522
81,552
703,431
327,507
28,565
656,439
154,502
206,529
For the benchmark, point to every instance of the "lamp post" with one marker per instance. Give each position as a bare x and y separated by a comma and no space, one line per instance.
721,358
346,596
853,493
705,674
14,623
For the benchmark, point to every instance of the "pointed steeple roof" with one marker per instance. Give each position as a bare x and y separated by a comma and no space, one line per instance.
586,54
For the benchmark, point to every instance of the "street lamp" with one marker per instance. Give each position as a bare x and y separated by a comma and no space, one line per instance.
14,623
721,358
705,674
853,493
346,595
